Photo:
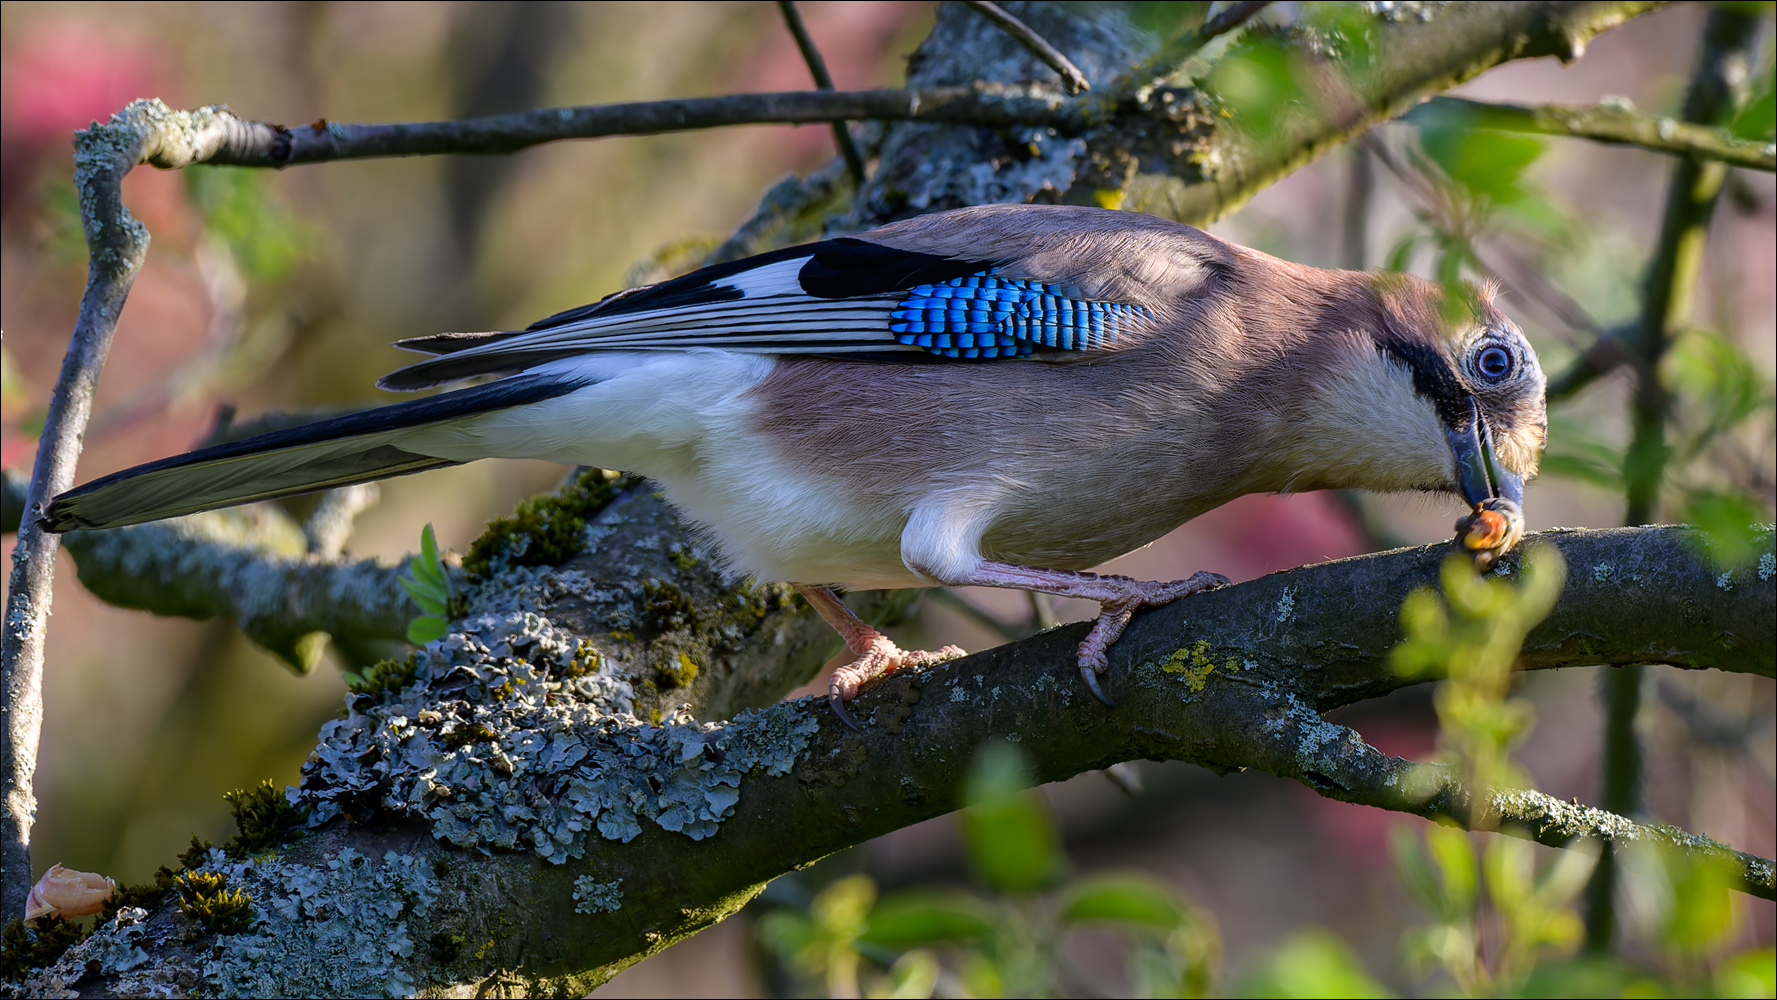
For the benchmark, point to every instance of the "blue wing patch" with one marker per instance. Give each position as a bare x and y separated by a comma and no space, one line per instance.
982,316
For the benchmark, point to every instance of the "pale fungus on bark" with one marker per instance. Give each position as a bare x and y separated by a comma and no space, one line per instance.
64,892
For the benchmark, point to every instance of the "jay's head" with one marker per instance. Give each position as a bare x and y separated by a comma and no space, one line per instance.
1430,391
1485,387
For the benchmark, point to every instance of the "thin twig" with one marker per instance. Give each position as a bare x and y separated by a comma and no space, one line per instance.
1231,17
221,138
1612,123
817,67
1071,77
1172,54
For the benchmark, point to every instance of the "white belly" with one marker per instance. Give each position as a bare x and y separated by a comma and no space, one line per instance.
685,421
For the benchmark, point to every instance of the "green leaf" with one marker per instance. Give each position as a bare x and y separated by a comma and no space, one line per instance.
914,918
1729,522
1011,836
1312,963
425,581
1453,855
426,628
1485,162
241,214
1256,84
1130,900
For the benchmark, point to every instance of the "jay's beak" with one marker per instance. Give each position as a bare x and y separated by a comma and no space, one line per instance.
1494,493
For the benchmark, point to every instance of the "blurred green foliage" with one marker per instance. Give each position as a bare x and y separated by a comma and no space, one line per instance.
239,211
1005,941
1470,635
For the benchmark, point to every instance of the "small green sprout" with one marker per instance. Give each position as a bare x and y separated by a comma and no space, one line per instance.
426,583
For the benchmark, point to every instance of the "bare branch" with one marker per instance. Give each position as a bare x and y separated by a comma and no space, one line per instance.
219,137
1612,123
817,67
1071,77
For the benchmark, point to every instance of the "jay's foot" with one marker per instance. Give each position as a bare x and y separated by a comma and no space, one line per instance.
1119,597
879,657
876,654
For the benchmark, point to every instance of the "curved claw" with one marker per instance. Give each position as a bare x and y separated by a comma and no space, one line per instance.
837,704
1090,676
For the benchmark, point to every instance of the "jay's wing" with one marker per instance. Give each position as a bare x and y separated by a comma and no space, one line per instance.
844,297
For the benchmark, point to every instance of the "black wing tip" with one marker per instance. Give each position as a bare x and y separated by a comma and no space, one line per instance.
449,343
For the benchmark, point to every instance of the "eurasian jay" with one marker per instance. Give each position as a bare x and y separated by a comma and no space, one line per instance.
1000,396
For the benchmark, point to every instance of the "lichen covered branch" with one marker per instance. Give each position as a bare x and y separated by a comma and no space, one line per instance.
117,244
556,729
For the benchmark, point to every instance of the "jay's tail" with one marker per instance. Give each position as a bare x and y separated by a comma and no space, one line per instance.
340,451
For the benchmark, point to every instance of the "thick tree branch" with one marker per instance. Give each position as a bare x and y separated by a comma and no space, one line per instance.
1230,679
1613,123
1346,89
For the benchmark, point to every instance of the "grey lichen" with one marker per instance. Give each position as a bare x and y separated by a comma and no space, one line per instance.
339,930
511,736
593,896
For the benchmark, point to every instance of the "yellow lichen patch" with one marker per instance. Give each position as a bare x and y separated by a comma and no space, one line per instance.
1195,664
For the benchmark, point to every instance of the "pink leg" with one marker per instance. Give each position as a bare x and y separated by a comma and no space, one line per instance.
875,653
1119,596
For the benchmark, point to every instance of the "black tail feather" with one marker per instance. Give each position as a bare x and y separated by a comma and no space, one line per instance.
339,451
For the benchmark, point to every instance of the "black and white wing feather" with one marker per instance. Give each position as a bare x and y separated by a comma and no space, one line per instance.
843,297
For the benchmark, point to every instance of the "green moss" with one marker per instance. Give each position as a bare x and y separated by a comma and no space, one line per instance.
666,608
462,736
264,818
547,530
382,677
25,948
195,855
681,555
204,897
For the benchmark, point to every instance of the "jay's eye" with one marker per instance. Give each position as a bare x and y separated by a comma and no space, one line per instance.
1493,363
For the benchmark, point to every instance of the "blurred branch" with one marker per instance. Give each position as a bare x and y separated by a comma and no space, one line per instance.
817,67
1230,679
1071,77
1604,355
1717,89
1612,123
252,565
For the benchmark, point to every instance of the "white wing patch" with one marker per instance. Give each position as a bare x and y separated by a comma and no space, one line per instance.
772,315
